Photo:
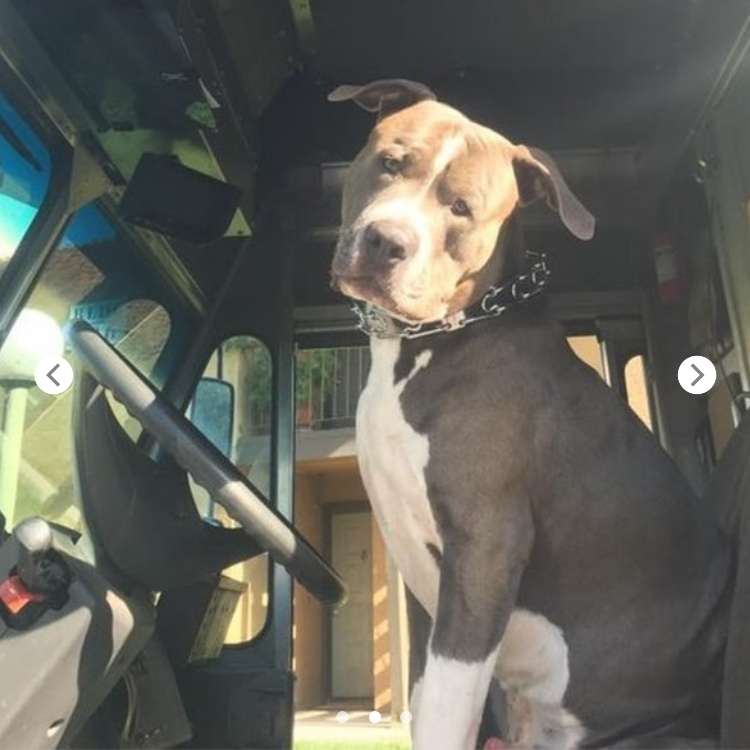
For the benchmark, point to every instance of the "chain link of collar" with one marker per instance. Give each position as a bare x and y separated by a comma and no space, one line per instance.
497,299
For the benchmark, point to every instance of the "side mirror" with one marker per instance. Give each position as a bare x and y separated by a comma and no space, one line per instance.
212,412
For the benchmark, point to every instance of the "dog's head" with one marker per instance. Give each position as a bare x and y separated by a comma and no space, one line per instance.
425,200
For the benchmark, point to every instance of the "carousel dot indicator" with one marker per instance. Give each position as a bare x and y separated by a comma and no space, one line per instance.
375,717
342,717
406,716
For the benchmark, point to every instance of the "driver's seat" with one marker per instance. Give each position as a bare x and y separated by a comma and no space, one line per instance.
141,516
729,492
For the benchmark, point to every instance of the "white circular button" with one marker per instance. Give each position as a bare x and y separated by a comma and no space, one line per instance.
53,375
375,717
697,375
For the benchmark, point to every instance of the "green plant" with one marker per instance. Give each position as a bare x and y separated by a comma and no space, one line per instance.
315,371
328,744
259,378
315,374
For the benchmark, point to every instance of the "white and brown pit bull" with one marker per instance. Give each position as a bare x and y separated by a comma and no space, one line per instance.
544,536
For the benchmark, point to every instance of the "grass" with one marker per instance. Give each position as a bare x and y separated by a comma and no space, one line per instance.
328,745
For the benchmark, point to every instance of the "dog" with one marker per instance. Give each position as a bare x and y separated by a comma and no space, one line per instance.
546,540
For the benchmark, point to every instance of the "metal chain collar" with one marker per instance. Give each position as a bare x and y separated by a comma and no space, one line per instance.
377,323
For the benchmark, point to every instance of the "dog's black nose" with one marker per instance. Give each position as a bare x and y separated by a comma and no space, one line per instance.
389,241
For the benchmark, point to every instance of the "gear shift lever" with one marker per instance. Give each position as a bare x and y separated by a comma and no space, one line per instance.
41,568
39,581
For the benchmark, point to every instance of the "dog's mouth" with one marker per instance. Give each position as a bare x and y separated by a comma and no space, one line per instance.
376,291
363,288
339,281
381,285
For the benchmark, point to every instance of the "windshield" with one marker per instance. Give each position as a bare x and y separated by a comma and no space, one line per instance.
99,274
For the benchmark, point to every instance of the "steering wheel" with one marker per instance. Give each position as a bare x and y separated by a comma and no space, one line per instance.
195,454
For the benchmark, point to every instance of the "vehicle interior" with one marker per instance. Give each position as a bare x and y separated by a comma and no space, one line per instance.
170,185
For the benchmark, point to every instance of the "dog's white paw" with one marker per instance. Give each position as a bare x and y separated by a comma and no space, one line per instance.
538,726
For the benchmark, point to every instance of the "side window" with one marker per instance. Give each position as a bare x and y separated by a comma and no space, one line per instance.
24,179
232,407
637,390
589,350
634,375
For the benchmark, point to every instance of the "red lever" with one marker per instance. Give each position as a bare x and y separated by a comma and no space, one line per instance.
15,595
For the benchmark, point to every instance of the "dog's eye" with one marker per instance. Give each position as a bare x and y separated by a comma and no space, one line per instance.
460,207
390,164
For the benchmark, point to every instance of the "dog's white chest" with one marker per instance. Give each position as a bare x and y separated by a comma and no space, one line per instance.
393,458
531,662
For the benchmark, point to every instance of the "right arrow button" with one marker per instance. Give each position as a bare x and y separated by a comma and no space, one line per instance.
697,375
700,375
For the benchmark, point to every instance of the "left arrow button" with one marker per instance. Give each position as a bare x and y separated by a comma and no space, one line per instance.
53,375
49,375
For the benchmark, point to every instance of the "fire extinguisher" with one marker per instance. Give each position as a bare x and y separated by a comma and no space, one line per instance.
671,270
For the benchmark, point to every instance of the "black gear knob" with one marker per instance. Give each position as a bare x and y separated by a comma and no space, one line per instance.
41,568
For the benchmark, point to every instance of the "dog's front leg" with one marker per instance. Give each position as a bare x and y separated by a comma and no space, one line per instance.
479,578
420,627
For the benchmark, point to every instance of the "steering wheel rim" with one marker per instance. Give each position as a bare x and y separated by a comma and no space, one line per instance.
210,468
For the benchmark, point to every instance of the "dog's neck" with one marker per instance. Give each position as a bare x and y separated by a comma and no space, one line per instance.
511,251
512,276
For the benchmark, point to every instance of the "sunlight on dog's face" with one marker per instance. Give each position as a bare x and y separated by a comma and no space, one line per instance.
423,205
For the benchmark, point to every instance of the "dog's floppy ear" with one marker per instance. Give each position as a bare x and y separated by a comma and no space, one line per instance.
384,97
538,178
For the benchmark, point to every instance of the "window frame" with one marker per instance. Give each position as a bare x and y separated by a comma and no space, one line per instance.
214,343
42,236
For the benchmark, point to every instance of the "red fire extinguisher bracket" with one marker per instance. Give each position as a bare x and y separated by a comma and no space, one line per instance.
671,269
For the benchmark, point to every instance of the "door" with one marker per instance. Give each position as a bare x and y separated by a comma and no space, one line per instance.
351,627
